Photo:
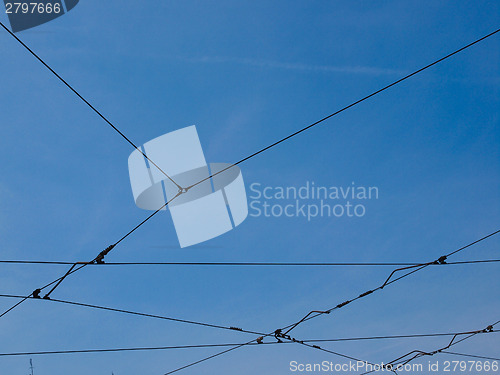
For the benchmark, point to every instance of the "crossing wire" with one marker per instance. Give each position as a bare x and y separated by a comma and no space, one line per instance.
309,316
23,298
236,346
278,334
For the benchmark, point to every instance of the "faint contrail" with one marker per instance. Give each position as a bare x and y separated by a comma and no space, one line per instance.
293,66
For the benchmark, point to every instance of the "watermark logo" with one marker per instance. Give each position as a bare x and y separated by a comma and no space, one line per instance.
208,209
310,201
25,14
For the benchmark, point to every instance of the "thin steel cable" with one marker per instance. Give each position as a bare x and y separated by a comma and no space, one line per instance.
351,105
248,264
417,335
208,358
136,313
86,102
308,316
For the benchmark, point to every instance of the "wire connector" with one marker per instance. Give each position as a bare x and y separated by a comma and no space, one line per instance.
278,334
365,294
100,258
342,304
441,260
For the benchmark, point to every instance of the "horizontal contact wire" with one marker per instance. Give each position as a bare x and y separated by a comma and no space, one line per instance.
201,346
250,264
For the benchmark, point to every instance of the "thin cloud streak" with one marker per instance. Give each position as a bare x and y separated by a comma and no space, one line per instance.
293,66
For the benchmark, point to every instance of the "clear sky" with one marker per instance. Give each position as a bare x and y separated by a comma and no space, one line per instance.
247,73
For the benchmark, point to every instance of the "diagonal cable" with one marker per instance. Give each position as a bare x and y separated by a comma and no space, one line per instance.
441,260
136,313
352,104
87,102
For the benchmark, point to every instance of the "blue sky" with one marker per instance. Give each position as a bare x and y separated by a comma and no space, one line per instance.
248,73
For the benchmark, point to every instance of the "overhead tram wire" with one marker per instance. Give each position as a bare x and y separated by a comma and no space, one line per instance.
98,259
23,298
278,334
182,190
262,150
237,346
231,328
248,343
349,106
87,103
250,264
84,264
311,315
202,346
275,333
